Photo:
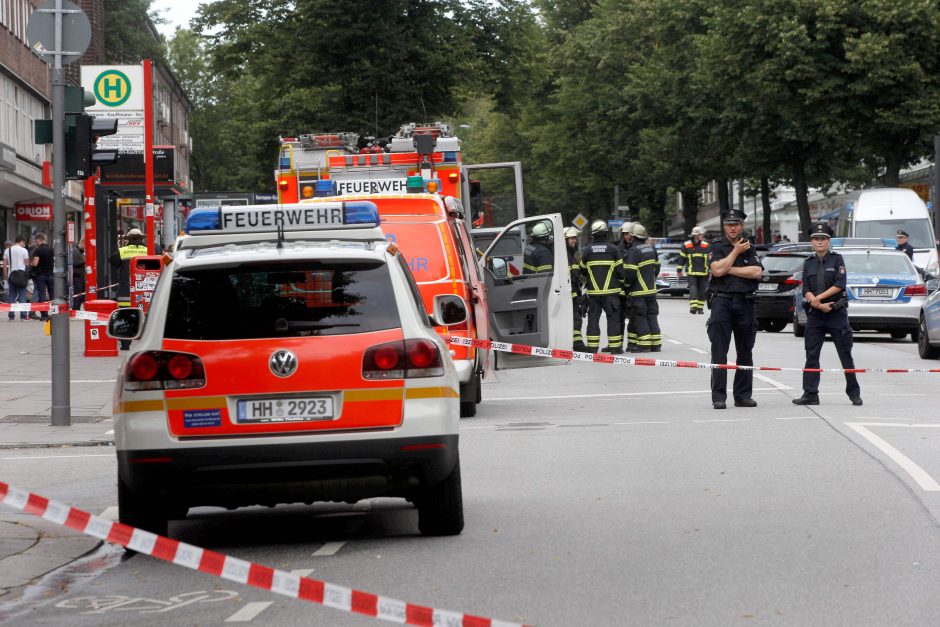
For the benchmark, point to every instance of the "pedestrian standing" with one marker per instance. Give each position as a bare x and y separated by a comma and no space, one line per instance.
735,274
42,264
602,271
578,300
904,245
14,264
694,253
640,269
78,273
6,271
826,312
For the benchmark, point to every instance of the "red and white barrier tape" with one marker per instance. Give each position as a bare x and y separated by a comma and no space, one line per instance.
241,571
78,314
607,358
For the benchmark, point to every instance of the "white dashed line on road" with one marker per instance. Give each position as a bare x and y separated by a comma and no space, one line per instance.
776,384
249,612
698,350
110,513
330,548
620,395
724,420
918,474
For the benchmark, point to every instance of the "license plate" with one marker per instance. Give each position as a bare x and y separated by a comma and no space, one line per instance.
883,292
767,287
274,410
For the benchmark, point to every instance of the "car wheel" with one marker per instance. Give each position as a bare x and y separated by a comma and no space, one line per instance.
440,507
798,329
924,349
479,384
142,511
761,324
775,326
898,335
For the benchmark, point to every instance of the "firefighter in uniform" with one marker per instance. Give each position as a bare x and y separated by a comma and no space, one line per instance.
578,300
735,274
640,269
120,261
826,312
904,245
626,241
694,253
539,256
602,271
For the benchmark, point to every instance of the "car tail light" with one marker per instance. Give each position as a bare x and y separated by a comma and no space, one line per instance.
791,281
410,359
915,290
164,370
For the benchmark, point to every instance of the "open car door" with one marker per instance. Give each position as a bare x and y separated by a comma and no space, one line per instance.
528,308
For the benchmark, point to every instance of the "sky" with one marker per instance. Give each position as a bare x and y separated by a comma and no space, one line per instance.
176,12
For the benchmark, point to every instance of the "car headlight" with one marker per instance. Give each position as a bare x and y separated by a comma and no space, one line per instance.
933,268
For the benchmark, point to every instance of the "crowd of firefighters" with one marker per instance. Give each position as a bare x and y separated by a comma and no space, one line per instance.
618,280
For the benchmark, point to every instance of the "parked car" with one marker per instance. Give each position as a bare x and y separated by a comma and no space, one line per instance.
885,292
774,300
928,335
670,271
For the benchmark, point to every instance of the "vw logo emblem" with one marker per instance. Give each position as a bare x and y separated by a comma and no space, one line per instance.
283,363
875,280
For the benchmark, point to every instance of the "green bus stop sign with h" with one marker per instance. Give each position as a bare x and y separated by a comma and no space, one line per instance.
112,88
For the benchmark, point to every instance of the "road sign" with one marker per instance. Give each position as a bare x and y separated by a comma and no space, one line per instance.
615,224
76,32
579,221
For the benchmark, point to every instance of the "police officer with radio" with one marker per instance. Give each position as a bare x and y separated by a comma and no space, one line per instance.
578,300
602,271
904,245
826,312
539,256
735,274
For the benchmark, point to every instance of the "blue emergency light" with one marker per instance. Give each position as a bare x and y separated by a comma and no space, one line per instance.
324,188
271,218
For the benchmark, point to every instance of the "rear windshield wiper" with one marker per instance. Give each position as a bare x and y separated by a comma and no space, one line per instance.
304,325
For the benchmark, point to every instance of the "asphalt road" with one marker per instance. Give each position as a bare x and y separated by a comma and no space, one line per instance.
594,495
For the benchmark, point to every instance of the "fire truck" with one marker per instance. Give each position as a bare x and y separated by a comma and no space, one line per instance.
334,164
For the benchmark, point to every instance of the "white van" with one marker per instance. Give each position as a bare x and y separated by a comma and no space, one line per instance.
880,213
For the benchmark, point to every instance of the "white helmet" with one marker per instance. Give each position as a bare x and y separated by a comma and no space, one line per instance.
639,231
572,232
697,230
626,227
542,229
598,226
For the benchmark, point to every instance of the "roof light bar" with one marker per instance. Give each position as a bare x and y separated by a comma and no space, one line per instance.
269,218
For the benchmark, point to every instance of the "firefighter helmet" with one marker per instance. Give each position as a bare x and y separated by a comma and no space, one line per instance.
639,231
572,232
542,229
698,231
598,226
626,227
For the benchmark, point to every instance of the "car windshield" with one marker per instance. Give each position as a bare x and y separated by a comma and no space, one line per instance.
671,258
782,263
879,265
281,299
921,235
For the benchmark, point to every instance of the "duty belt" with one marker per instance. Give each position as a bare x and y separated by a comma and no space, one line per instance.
734,295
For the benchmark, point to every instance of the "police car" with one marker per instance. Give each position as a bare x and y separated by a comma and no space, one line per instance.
885,291
287,357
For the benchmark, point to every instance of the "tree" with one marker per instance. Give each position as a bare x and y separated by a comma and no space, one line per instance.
125,40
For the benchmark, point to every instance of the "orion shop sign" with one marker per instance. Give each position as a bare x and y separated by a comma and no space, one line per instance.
27,211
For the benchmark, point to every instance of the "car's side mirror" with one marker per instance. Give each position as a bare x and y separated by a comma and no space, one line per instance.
498,267
126,323
448,310
933,285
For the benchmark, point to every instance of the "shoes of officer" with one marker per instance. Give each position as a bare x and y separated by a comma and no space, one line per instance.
719,405
745,402
814,400
612,351
856,400
639,349
578,346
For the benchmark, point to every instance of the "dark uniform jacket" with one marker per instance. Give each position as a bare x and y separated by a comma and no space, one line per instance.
574,269
602,268
121,262
727,284
907,249
640,267
832,268
694,258
538,257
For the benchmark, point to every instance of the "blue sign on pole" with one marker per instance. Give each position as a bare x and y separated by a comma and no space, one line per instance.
615,224
930,204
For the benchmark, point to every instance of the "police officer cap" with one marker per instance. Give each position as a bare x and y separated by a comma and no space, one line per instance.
902,233
734,215
134,233
638,231
820,228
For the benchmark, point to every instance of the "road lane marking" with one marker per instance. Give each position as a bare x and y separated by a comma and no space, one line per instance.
776,384
47,381
698,350
249,612
110,513
674,341
918,474
643,422
723,420
330,548
618,394
54,456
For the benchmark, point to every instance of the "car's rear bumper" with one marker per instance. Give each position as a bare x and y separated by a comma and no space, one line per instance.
774,307
884,316
285,473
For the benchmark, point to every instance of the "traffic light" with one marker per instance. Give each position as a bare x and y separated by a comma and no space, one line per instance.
81,135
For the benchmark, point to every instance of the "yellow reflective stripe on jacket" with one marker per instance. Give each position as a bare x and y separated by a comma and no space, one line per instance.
533,269
594,288
132,250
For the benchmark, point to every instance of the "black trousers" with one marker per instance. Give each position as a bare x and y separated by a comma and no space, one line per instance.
732,318
610,305
697,285
644,323
836,324
578,321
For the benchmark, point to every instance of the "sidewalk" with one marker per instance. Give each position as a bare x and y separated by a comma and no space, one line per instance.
29,546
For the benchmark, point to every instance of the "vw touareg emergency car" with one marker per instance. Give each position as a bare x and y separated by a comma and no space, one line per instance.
287,357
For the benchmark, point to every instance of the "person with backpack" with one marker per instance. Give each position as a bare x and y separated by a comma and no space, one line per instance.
14,264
